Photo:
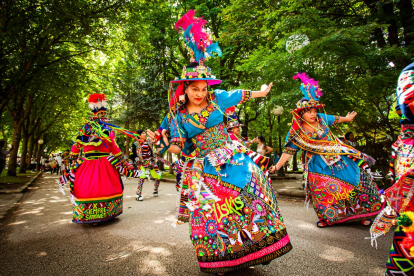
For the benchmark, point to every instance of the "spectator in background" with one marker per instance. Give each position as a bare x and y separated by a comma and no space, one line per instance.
3,154
58,162
66,160
32,164
350,139
275,160
47,165
63,166
42,163
262,148
276,157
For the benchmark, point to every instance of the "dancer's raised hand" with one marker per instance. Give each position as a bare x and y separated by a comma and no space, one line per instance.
350,116
264,90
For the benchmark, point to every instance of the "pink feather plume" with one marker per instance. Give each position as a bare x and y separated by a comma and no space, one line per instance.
185,21
200,35
307,80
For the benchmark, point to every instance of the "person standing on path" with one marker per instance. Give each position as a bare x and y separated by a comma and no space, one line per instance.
58,159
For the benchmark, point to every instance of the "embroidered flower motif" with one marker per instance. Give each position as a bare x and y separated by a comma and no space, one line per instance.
211,228
196,117
203,120
204,113
259,207
210,108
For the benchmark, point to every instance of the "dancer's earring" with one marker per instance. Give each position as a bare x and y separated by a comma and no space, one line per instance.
181,98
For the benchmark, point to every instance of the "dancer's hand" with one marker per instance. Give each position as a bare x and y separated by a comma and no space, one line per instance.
350,116
266,89
155,136
152,136
272,169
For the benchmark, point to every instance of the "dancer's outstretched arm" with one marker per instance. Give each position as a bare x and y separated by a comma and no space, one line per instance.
258,94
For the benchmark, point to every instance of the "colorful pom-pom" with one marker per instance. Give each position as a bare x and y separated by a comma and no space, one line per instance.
404,220
408,228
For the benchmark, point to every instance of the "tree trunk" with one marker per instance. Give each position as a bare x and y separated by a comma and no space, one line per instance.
407,20
23,164
13,154
31,147
388,9
127,140
271,124
38,156
295,162
281,171
36,146
280,139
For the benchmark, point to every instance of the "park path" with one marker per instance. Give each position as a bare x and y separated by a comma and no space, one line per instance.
38,238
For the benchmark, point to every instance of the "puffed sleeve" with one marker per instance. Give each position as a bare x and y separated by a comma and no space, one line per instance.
178,133
329,119
75,150
290,148
113,147
226,99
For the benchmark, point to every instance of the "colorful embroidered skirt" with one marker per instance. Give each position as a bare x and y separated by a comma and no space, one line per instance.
98,191
336,201
400,262
234,226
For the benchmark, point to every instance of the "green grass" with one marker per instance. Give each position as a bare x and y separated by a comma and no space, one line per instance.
166,174
20,178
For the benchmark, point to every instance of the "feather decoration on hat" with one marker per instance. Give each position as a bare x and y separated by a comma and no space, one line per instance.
196,38
97,101
310,87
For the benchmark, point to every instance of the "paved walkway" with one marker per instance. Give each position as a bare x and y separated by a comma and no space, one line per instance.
38,238
283,186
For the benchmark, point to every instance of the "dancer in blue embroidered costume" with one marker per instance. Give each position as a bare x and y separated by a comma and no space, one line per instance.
335,175
234,217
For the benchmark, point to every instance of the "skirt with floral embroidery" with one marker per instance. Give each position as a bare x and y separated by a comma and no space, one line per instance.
233,226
